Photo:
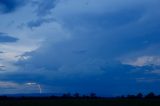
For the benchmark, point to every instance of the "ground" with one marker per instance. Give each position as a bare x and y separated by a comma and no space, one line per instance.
82,102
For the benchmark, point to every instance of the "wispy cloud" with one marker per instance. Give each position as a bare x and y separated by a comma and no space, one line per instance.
144,60
45,7
39,22
147,80
6,84
5,38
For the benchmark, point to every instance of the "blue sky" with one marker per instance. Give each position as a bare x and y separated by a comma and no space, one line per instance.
110,47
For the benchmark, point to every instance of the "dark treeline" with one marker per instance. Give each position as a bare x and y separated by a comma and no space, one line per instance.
141,96
78,96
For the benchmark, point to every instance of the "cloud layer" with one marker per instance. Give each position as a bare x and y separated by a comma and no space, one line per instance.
4,38
90,45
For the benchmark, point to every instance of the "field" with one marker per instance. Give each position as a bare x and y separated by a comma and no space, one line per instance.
82,102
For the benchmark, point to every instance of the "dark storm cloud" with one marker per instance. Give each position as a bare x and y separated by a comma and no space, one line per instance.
44,7
7,6
116,78
104,35
96,39
106,20
2,68
5,38
1,52
39,22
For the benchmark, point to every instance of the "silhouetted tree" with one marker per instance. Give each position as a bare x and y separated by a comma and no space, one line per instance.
93,95
122,96
131,97
76,95
139,96
150,95
85,96
66,95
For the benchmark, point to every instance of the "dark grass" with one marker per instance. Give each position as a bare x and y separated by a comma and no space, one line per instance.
81,102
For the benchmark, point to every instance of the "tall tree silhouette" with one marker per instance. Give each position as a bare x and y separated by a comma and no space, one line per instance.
150,95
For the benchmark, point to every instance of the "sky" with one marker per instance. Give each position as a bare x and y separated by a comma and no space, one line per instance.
110,47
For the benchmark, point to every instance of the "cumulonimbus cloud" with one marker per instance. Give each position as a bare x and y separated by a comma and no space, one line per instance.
100,33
